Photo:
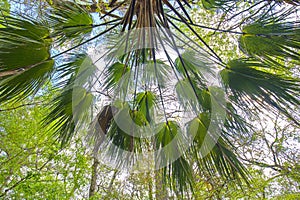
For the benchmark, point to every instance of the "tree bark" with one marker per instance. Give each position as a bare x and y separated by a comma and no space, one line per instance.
160,189
94,178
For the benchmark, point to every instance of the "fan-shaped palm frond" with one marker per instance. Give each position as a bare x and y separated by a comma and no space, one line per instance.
80,66
115,72
25,63
182,175
69,110
126,121
194,65
69,21
169,142
220,159
67,115
271,40
250,84
146,102
187,95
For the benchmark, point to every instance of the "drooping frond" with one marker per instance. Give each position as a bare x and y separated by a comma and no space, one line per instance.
78,69
70,109
250,83
187,95
68,21
123,137
146,102
271,40
99,127
169,142
213,153
115,72
25,63
182,175
194,65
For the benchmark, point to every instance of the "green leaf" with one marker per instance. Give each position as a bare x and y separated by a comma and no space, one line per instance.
4,8
146,102
269,40
70,109
212,4
115,72
23,43
250,84
192,64
69,21
220,159
26,83
186,94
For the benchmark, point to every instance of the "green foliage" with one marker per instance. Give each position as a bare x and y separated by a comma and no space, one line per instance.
32,165
70,109
150,79
271,39
20,39
146,102
220,158
212,4
69,21
115,72
250,82
25,47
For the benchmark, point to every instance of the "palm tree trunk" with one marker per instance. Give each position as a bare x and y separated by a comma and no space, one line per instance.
160,190
94,178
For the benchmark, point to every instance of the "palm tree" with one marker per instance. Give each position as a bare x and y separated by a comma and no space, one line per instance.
144,98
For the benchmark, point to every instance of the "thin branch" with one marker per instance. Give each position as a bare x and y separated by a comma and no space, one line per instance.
20,106
86,41
206,27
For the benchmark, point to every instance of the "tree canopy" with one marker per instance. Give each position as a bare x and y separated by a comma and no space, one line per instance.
175,87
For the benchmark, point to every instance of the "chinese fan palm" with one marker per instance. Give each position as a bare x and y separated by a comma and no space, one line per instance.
151,79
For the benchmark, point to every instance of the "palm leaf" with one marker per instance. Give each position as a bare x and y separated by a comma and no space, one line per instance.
269,40
25,63
100,126
213,4
168,141
220,159
156,73
69,21
250,83
79,66
23,43
186,95
119,143
70,109
182,175
193,65
115,72
27,83
67,115
146,101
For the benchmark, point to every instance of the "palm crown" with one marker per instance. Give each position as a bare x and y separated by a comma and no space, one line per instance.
141,91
